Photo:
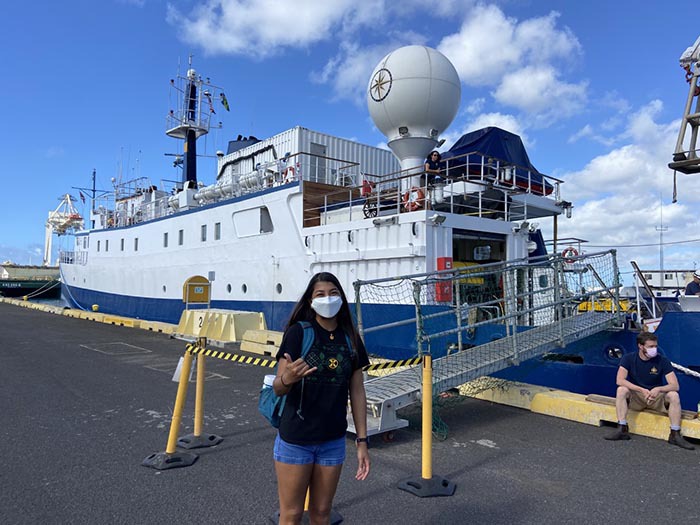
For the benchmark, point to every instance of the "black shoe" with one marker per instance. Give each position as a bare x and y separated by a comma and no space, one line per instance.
675,438
622,434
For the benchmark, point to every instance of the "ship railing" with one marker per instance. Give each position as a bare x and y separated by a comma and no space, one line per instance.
70,257
471,184
460,308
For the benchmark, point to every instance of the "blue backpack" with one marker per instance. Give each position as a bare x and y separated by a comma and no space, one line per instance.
270,404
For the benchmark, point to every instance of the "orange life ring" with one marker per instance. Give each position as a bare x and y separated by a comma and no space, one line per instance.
569,253
289,175
413,199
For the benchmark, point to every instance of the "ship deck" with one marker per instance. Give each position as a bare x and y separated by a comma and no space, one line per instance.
83,403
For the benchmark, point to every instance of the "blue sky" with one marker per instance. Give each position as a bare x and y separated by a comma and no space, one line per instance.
594,88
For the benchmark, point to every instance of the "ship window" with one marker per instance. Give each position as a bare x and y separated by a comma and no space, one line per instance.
265,220
165,239
255,221
482,253
180,237
228,288
106,245
204,232
647,276
244,288
279,288
136,244
317,164
217,232
98,246
122,245
668,276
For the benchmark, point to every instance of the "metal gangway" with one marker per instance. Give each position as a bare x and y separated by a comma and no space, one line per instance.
580,300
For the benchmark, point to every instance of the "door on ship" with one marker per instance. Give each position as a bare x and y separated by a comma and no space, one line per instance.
471,249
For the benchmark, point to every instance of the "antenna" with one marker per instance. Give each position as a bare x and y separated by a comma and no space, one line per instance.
661,229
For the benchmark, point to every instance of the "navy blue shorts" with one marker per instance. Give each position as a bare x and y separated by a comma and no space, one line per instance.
327,454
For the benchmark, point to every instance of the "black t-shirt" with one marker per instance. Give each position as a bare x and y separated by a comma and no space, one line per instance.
647,374
692,288
432,165
325,392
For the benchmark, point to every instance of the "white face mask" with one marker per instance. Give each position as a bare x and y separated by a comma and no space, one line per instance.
651,352
328,306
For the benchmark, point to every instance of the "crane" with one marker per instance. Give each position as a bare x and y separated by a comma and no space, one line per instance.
686,160
64,219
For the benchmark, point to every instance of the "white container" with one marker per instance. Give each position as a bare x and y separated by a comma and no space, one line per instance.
269,379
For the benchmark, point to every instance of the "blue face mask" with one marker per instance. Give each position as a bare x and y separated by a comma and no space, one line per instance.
328,306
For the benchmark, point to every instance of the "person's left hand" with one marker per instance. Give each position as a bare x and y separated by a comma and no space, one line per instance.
653,394
362,462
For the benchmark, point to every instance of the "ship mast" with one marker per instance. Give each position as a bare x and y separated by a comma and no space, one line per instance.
192,118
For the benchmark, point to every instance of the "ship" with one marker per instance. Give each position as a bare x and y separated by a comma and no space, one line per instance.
449,265
27,281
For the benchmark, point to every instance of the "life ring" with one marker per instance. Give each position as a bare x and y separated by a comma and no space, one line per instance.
413,199
569,253
289,175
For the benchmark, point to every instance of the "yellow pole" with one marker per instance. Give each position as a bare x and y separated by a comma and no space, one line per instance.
427,471
179,402
306,501
199,396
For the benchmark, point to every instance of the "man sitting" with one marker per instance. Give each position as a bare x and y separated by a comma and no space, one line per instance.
640,385
693,287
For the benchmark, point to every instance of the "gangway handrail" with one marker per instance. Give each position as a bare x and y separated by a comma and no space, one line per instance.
647,288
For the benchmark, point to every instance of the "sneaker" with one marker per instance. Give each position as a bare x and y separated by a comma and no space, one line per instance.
622,434
675,438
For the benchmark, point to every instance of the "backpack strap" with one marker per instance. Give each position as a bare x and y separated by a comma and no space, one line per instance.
309,336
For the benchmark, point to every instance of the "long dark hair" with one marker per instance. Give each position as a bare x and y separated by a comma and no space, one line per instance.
303,312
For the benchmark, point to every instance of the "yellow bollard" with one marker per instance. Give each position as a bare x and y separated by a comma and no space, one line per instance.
171,458
179,403
427,486
199,397
427,430
198,439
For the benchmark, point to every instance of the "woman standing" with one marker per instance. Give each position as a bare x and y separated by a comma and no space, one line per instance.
310,447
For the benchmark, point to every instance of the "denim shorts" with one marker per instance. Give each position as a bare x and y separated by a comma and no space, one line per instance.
327,454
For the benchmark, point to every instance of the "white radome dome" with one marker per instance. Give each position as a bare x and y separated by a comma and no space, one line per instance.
414,91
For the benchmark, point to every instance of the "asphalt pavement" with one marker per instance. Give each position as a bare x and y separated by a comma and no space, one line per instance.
83,403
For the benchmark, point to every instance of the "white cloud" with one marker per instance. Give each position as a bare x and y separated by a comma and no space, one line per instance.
489,44
260,28
618,197
523,60
538,90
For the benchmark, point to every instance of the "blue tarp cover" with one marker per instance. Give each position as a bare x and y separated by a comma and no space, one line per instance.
502,145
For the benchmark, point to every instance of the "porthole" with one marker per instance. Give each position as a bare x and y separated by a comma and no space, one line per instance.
244,288
279,288
228,288
164,288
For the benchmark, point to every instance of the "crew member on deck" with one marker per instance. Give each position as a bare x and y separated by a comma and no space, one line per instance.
693,287
432,167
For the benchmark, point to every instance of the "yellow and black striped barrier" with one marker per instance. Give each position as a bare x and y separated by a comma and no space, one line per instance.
228,356
271,363
393,364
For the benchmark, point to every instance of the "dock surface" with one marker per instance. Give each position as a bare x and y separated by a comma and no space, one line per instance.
83,403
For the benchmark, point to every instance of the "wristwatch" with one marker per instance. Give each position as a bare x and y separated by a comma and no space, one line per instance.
362,440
